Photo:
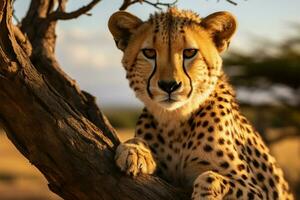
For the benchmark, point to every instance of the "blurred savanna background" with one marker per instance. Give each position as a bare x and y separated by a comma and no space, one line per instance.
263,64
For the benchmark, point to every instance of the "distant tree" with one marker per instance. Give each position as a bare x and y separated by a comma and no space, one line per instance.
275,63
269,64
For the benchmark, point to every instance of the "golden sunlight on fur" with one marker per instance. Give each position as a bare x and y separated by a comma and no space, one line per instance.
191,132
169,39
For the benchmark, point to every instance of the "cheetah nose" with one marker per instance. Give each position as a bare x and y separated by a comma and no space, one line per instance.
169,86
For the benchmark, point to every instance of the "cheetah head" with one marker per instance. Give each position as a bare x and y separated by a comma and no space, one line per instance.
173,59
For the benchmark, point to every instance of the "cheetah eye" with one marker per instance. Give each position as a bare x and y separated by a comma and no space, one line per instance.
149,53
189,53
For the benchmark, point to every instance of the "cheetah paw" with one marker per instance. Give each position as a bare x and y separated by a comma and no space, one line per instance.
209,186
134,159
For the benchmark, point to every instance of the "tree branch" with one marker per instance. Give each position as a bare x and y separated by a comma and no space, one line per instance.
127,3
61,15
14,15
62,5
159,5
56,133
231,2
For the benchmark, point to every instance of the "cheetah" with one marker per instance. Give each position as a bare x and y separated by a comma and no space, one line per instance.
191,132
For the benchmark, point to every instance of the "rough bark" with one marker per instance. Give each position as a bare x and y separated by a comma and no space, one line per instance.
54,124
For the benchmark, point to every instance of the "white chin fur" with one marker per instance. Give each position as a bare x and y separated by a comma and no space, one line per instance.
171,106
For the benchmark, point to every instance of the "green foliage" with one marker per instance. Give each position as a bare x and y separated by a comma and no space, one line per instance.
272,63
272,117
123,117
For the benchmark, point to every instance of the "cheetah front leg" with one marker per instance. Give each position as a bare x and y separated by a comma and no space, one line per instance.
213,186
134,156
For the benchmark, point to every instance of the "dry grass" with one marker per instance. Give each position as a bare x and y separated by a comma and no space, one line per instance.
287,153
19,180
125,134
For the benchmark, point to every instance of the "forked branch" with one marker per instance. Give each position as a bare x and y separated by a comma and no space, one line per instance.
61,14
158,4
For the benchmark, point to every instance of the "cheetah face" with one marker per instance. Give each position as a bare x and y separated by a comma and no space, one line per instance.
164,68
173,58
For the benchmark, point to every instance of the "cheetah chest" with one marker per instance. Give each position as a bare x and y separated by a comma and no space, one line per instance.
175,152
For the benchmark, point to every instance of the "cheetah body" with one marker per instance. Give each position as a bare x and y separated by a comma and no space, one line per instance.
200,140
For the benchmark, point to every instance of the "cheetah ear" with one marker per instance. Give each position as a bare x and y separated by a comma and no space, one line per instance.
221,26
121,25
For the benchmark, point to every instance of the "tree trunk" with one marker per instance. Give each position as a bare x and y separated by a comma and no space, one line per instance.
57,127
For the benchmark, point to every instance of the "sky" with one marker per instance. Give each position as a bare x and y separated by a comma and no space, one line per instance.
87,52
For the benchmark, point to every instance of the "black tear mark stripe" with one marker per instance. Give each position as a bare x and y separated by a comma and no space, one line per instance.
149,80
191,85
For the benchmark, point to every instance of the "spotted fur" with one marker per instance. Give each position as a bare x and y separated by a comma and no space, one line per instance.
194,136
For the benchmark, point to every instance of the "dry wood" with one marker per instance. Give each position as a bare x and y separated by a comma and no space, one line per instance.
54,124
